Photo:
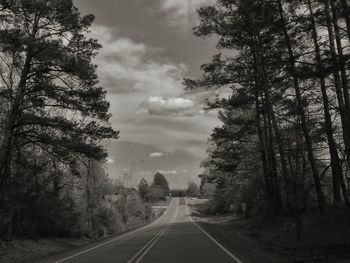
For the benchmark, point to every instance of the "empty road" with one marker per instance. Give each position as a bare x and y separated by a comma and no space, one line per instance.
174,237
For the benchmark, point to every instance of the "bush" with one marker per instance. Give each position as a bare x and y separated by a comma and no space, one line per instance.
49,216
131,209
192,189
155,194
106,221
222,200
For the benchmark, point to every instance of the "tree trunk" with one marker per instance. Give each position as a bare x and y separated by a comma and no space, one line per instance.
301,110
274,180
261,69
346,10
341,59
7,144
345,82
337,172
344,192
262,144
272,169
345,118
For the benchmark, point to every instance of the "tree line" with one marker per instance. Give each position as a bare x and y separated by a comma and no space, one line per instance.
284,142
157,191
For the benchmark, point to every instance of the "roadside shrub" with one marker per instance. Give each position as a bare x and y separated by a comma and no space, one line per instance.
49,216
222,200
106,221
192,189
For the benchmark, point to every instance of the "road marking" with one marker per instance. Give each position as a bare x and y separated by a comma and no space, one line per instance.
151,245
211,238
143,251
117,238
145,247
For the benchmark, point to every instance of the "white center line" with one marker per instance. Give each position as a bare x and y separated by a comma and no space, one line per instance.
156,239
151,245
145,247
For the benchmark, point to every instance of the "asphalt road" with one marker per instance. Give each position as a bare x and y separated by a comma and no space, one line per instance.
174,237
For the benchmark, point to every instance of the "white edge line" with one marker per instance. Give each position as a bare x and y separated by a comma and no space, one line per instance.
211,238
117,238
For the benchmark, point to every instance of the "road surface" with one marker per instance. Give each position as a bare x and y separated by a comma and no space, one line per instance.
174,237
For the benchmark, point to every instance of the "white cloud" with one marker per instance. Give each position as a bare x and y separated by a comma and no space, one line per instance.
185,171
156,155
110,161
183,12
165,172
168,107
129,67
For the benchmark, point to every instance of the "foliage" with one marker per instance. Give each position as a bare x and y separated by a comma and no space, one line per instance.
53,120
192,189
143,188
206,189
160,181
155,193
286,121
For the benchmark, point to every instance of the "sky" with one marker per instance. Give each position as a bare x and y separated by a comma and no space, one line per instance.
148,48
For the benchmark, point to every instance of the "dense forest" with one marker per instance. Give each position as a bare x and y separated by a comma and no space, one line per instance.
284,144
54,128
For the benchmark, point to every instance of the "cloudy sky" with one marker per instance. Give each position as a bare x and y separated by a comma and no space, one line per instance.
148,48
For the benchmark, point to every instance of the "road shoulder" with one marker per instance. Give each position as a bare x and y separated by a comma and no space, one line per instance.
230,234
